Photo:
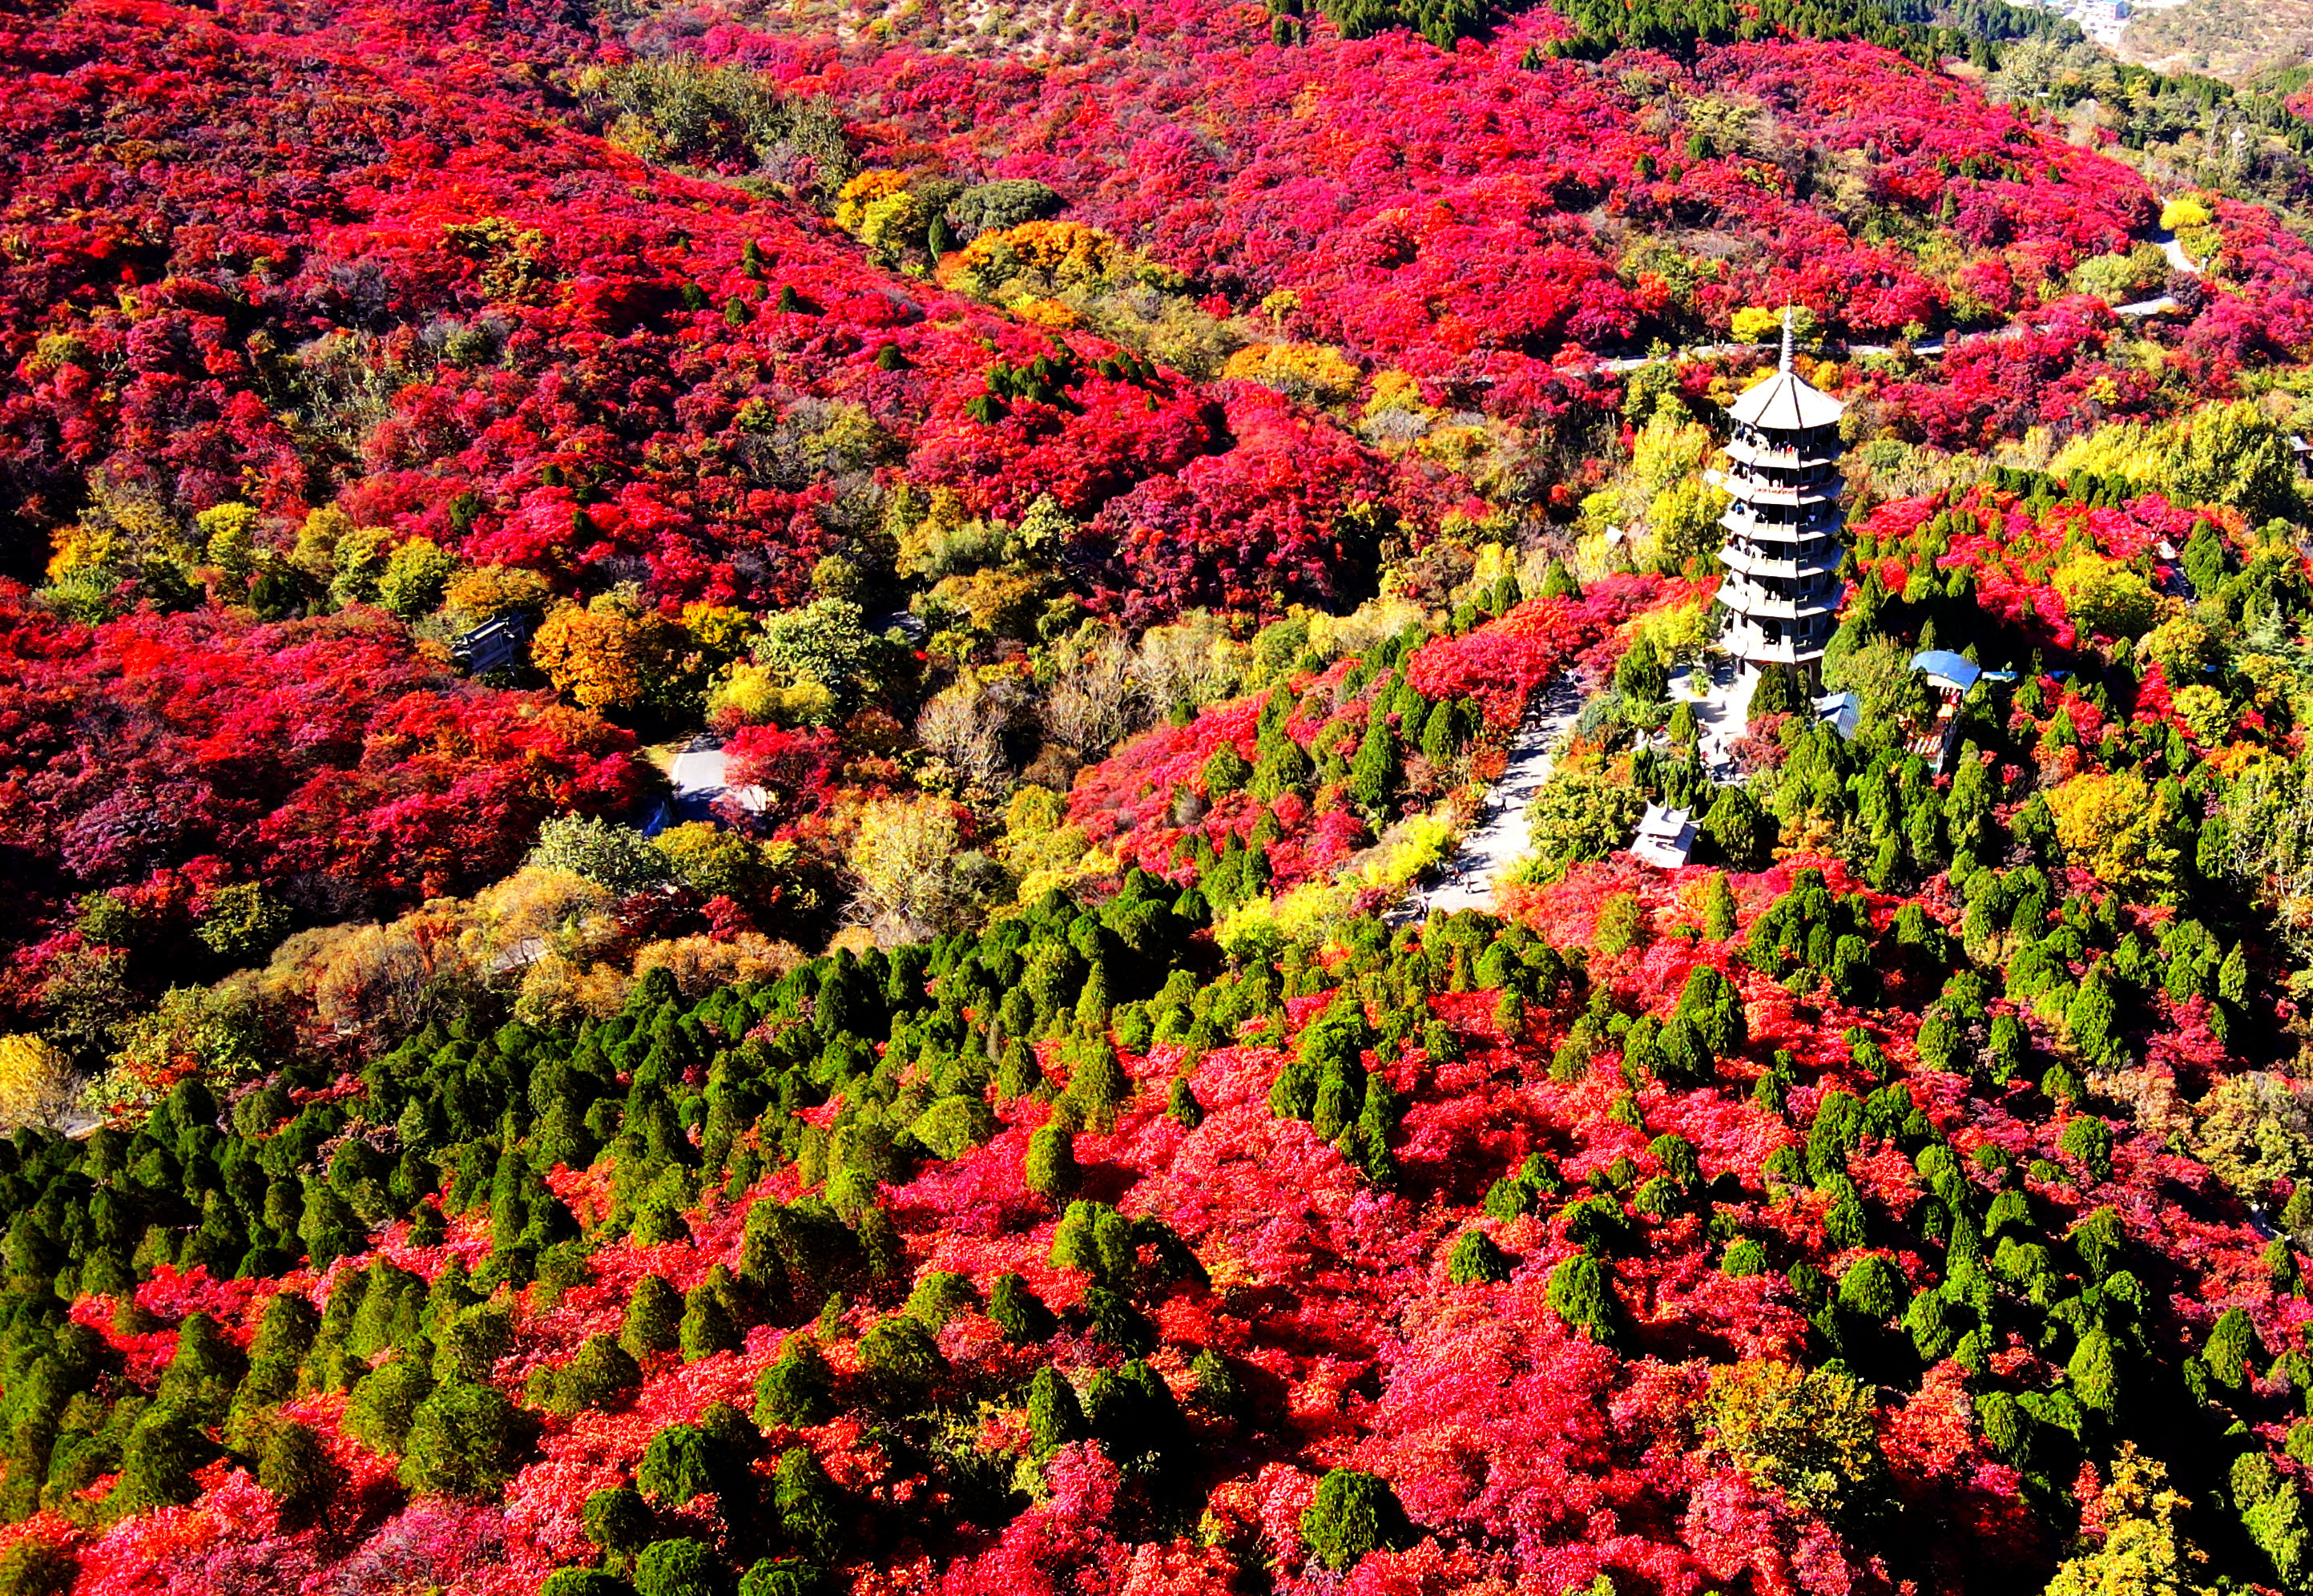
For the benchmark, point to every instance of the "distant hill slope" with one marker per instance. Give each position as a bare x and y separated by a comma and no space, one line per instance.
2228,38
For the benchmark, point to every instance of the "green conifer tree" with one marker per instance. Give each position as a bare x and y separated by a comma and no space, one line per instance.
678,1465
1476,1260
464,1440
1374,773
1355,1514
1719,920
798,1390
1055,1416
1051,1171
1582,1294
654,1318
808,1507
1019,1312
708,1326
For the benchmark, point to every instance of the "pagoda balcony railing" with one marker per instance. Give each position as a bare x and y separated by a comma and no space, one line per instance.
1820,591
1757,564
1791,474
1747,485
1816,552
1781,457
1815,442
1748,642
1823,520
1776,607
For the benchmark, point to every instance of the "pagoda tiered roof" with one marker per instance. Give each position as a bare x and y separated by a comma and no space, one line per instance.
1787,402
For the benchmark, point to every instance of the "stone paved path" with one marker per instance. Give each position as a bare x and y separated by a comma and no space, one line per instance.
1466,881
1721,697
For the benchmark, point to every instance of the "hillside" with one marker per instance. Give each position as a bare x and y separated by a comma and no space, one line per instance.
2219,39
1085,502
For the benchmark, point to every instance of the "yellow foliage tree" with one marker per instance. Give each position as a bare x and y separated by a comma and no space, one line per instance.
2104,596
701,964
1670,447
361,555
1069,254
2205,714
227,533
713,862
543,906
719,631
2111,823
1004,603
558,991
415,577
2123,275
754,695
1458,449
853,200
36,1081
895,222
607,656
1760,324
1314,374
316,554
2143,1552
1039,845
1808,1436
2182,212
904,857
1676,633
394,977
2183,648
124,524
2221,453
1396,391
482,595
1684,521
1039,312
2234,455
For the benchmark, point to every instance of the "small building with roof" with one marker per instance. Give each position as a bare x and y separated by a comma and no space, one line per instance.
1951,675
1840,711
496,644
1948,671
1665,837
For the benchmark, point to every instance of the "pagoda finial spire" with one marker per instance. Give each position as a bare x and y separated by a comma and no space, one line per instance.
1785,363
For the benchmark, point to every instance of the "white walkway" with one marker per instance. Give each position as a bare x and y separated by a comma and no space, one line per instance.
700,781
1499,840
1721,696
697,780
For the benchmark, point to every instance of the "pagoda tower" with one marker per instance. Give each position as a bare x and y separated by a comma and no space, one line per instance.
1782,546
